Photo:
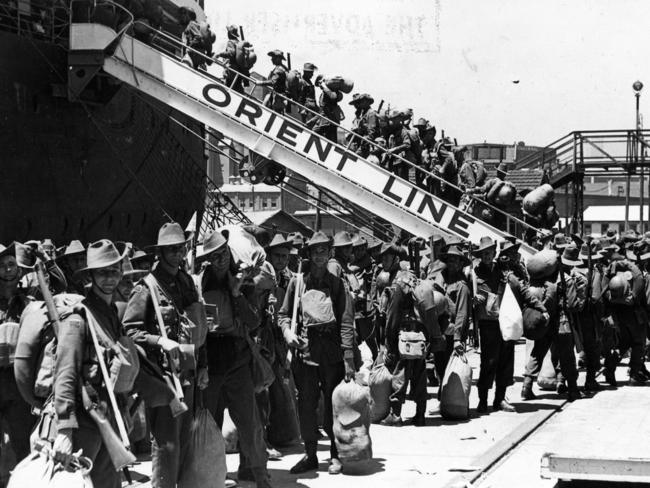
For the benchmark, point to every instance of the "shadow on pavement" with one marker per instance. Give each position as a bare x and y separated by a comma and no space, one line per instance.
534,407
365,468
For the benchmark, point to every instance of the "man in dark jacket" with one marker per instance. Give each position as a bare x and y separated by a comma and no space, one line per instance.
562,293
277,80
323,343
453,281
229,354
326,124
365,124
307,94
229,54
75,351
14,411
176,293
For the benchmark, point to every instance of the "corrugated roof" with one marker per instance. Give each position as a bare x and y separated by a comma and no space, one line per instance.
522,178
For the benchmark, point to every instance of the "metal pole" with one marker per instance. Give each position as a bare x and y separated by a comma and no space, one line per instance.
639,148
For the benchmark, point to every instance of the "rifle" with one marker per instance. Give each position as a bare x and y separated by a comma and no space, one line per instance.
475,334
117,447
177,405
241,33
414,256
381,105
296,302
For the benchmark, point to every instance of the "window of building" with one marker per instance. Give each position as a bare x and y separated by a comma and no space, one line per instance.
264,202
587,229
620,190
274,203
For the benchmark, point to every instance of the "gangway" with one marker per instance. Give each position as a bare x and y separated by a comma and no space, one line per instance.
273,135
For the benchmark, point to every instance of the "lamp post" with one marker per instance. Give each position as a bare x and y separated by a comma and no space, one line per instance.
637,86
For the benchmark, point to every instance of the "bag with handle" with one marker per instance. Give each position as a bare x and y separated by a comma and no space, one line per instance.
351,421
455,389
511,320
546,379
204,461
412,345
38,470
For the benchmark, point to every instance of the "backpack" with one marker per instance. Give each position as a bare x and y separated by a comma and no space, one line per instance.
245,56
35,357
619,290
207,36
293,84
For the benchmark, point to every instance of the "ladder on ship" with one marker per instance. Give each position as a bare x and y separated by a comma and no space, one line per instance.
274,136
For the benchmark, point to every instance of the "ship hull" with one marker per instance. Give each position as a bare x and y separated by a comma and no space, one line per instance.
117,169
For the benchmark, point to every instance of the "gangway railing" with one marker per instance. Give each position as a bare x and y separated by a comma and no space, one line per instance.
39,19
165,42
275,136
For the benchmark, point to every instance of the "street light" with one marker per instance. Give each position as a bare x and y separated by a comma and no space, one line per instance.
637,86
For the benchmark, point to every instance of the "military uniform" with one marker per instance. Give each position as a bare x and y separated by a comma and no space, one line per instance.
319,368
229,54
76,364
561,297
169,433
405,315
366,125
277,80
229,358
14,410
330,115
307,97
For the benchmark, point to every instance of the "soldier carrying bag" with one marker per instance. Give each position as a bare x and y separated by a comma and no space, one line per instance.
411,345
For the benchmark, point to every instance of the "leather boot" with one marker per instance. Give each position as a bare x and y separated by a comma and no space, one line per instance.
482,406
527,389
262,478
500,401
591,385
419,420
573,393
309,461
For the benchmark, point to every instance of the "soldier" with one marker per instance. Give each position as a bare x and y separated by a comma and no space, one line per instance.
26,254
229,354
14,411
278,431
323,344
142,260
589,320
362,268
229,54
307,95
434,266
277,80
75,351
497,355
399,143
625,299
327,121
199,39
72,260
414,154
452,280
561,295
176,293
365,124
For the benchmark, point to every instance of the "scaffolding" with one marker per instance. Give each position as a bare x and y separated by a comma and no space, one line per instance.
598,153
